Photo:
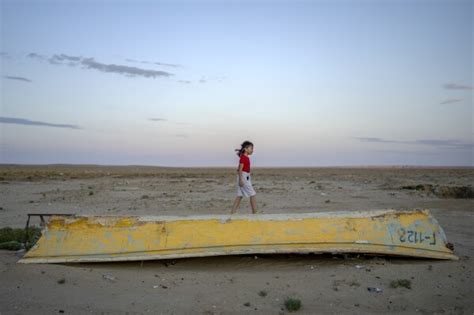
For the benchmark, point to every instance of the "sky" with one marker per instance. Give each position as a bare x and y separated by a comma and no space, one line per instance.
183,83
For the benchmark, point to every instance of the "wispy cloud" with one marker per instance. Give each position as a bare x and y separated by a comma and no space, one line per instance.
405,152
372,139
37,56
91,63
27,122
9,77
454,144
125,70
204,79
455,86
129,71
63,57
5,55
173,65
169,121
451,101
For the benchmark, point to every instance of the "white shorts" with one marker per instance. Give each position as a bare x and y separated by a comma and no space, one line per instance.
246,190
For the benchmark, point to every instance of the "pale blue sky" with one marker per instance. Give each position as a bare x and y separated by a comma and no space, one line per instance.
311,83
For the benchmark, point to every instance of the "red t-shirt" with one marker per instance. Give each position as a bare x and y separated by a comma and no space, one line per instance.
244,159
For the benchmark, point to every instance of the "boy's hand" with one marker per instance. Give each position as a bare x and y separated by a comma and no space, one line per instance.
241,183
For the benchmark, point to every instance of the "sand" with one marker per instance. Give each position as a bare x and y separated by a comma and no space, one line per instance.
325,284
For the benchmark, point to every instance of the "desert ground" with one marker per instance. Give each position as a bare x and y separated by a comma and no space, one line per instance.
257,284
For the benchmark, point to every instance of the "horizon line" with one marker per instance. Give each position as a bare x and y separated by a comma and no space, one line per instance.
254,167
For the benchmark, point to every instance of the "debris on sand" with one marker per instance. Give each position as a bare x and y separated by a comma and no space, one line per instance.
292,305
262,293
169,262
61,281
374,290
447,192
109,278
400,283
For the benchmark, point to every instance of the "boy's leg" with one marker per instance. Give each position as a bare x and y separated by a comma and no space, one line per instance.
236,204
253,204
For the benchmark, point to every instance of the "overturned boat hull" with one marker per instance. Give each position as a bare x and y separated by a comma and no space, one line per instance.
68,239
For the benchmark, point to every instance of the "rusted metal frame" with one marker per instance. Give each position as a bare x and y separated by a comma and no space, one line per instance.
41,215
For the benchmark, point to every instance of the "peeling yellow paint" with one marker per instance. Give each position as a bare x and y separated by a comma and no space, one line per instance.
114,238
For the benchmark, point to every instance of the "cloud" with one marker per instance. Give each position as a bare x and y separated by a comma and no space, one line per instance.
453,144
17,78
5,55
402,152
91,63
167,64
184,81
125,70
169,121
451,101
155,63
369,139
37,56
446,143
455,86
63,57
27,122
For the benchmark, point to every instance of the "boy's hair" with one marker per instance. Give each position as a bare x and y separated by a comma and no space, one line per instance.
243,146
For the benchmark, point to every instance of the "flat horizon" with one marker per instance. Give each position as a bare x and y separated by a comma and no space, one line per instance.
254,167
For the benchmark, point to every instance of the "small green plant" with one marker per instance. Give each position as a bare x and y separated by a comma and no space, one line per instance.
13,238
12,245
403,283
292,305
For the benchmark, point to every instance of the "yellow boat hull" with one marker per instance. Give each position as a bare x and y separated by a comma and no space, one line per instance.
121,238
